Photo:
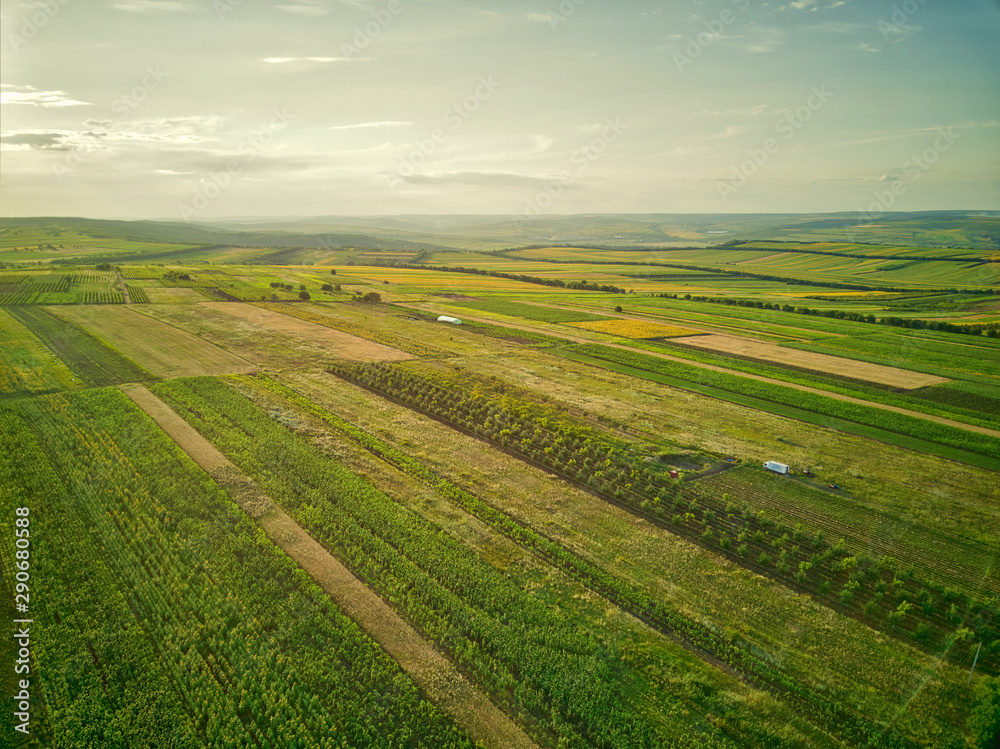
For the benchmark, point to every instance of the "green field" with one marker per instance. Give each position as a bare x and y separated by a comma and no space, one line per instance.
267,513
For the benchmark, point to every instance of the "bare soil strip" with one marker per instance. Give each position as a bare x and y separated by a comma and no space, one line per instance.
836,365
163,350
439,679
804,388
342,344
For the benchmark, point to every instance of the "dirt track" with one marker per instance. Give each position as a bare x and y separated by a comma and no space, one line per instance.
436,676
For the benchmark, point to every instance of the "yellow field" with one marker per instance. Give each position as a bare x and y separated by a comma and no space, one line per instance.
634,328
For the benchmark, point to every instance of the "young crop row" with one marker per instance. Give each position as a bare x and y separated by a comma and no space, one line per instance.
103,297
548,438
564,684
410,346
95,276
137,295
819,708
45,284
200,632
888,421
11,279
18,298
136,272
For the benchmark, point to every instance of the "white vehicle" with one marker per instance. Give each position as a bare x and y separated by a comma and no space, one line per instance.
773,465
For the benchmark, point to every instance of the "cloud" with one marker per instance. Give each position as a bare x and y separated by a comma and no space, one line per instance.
386,123
154,6
310,8
898,32
756,39
729,132
538,17
50,140
34,97
495,179
106,134
812,5
283,60
752,111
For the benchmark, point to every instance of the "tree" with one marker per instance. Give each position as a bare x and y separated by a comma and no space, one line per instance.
304,296
372,296
326,287
333,271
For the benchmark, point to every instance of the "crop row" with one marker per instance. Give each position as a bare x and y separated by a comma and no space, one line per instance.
549,438
103,297
18,298
563,682
630,597
202,632
94,276
137,295
889,421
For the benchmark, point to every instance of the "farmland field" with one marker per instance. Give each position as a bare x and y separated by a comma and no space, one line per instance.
274,502
898,378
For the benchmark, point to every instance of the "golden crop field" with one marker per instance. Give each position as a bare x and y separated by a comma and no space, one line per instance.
634,328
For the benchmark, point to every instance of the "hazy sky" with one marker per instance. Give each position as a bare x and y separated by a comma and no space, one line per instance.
207,108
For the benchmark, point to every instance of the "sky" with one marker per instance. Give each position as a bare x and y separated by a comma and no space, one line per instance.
202,109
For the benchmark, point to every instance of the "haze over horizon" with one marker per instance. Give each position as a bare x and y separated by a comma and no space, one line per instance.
208,110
